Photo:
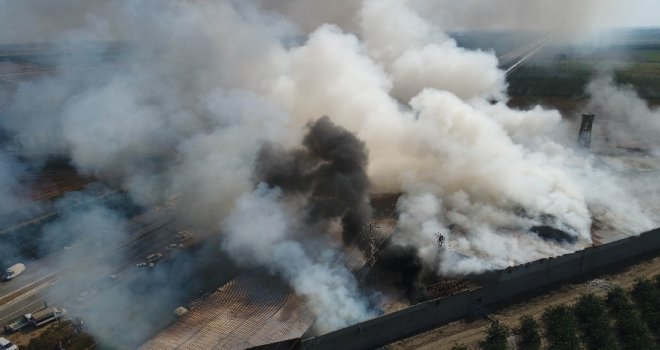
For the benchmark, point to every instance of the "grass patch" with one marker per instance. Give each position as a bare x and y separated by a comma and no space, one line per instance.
64,332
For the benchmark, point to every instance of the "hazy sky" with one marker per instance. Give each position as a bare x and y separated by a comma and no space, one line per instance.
39,20
635,13
572,17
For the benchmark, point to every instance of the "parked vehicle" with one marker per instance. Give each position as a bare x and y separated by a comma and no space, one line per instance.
13,271
18,324
7,345
38,318
183,236
173,246
46,315
154,257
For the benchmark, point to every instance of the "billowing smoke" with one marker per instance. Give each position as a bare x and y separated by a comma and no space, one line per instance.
12,206
624,121
10,172
262,230
329,173
218,103
326,181
79,212
410,49
623,113
402,266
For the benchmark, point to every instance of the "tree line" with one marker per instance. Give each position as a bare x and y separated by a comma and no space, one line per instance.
619,320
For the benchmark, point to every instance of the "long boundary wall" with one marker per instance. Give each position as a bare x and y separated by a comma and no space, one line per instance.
504,285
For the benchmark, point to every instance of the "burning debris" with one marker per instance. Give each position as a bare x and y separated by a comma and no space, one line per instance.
551,233
447,287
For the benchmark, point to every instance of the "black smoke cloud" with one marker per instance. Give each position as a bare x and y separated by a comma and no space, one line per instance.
329,170
403,268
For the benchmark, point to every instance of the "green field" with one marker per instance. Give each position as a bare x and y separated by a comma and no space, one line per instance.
631,56
565,70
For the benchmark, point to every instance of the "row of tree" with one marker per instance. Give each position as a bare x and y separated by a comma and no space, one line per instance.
528,336
561,328
593,323
630,328
647,296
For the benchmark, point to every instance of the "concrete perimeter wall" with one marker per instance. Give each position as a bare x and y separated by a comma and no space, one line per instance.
504,285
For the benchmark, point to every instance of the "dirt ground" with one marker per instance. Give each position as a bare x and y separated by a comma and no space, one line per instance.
471,333
22,338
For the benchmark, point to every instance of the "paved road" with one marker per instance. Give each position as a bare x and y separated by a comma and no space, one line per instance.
60,278
514,59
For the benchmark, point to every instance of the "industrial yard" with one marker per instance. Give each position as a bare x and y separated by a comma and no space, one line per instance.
337,192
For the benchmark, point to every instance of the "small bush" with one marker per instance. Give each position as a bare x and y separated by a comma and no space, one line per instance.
529,335
647,297
61,332
460,346
632,332
496,337
560,328
591,314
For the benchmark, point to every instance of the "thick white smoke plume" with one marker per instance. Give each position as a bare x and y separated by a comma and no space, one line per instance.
261,231
201,87
626,121
410,49
623,113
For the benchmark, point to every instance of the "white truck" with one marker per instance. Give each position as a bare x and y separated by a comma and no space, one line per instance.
37,319
46,315
7,345
13,271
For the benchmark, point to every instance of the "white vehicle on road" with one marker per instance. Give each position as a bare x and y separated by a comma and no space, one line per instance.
47,315
173,246
154,257
13,271
7,345
183,236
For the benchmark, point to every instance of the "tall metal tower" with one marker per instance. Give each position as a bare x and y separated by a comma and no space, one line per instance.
584,137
